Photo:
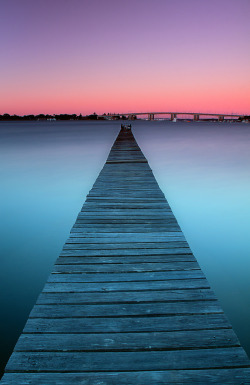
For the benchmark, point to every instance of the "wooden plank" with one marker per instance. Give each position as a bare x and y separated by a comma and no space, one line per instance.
127,220
228,376
112,361
123,238
124,252
75,287
189,339
127,277
113,200
124,229
128,259
161,225
76,244
124,213
88,205
131,236
124,267
130,297
127,324
125,309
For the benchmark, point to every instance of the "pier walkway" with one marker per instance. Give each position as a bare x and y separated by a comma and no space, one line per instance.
126,302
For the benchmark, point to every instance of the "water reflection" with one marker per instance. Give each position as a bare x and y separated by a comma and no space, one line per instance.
203,169
47,169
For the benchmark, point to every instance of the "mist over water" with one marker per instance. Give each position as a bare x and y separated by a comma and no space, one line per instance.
47,169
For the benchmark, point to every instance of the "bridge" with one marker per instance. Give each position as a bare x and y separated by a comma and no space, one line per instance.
174,115
126,302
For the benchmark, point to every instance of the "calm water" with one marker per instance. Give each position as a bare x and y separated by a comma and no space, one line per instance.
47,169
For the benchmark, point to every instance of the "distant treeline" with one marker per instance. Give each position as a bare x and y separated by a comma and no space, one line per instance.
245,117
93,116
48,117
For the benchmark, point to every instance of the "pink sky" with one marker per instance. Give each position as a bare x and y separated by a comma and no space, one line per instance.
82,56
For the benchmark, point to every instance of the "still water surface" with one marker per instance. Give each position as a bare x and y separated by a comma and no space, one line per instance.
47,169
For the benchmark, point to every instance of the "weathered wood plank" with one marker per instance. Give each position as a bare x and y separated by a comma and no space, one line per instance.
113,200
127,324
124,267
198,283
78,245
130,297
122,237
118,361
127,277
128,341
123,240
124,213
124,229
125,309
128,259
232,376
127,219
124,252
137,206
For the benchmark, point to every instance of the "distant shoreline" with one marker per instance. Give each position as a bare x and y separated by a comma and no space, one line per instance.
108,117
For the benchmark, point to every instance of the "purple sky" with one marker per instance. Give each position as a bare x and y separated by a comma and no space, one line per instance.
106,56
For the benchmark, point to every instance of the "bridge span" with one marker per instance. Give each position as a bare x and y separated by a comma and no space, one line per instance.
174,115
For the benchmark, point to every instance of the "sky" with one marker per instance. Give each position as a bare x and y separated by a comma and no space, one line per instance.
85,56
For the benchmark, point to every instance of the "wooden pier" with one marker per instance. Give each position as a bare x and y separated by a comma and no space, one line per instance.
126,302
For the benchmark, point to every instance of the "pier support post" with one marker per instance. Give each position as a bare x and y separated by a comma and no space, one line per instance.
220,118
196,117
173,116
